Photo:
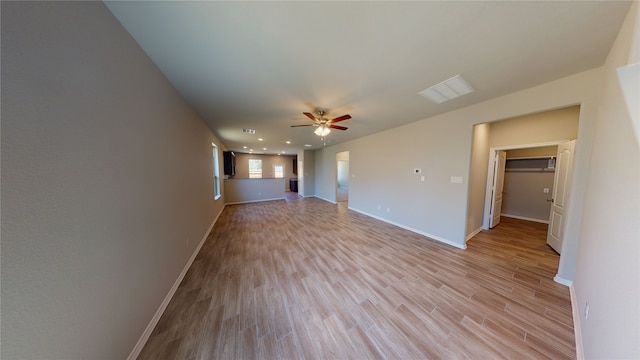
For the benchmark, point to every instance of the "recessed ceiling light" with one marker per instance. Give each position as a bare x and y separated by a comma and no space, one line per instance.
250,149
244,147
288,142
307,145
447,90
260,139
264,148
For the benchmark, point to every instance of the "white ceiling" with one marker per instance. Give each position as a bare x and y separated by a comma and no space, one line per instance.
259,65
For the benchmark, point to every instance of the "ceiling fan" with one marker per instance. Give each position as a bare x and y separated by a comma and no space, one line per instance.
324,125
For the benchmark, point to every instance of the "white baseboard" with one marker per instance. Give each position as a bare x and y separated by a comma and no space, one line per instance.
163,306
431,236
577,330
327,200
525,218
474,233
562,281
252,201
575,310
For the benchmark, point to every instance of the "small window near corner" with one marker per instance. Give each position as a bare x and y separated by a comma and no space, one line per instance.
278,171
255,169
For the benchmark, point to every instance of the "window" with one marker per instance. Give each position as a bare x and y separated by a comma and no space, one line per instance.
278,171
255,168
216,173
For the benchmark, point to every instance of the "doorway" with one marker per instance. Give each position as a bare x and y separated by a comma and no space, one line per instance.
552,184
527,176
342,176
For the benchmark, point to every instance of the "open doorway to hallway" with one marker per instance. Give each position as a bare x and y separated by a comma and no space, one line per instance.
342,178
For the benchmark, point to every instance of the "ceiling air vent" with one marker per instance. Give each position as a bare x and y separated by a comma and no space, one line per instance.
248,131
447,90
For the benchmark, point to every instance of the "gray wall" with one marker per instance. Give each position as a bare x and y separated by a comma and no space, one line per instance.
106,183
309,176
252,190
523,195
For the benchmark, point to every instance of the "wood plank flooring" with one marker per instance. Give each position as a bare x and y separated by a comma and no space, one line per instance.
307,279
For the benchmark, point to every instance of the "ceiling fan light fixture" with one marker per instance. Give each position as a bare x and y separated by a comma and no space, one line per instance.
322,130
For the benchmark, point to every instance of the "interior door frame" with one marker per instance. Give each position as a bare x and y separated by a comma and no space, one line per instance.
486,218
337,170
499,166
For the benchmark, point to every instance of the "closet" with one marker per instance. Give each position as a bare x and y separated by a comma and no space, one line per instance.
528,186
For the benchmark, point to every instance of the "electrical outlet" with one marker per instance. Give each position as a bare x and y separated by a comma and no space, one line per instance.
545,190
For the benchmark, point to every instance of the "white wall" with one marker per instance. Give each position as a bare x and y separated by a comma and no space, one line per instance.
477,178
106,174
608,271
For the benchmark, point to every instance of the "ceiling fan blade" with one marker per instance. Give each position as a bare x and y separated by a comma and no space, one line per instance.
310,116
303,125
338,127
341,118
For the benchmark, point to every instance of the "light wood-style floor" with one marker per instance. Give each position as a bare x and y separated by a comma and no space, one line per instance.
307,279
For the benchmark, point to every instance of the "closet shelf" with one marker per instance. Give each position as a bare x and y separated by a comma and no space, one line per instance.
530,170
532,157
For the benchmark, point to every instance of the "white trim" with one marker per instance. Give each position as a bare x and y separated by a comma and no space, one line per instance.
321,198
163,306
575,311
474,233
430,236
525,218
577,330
562,281
253,201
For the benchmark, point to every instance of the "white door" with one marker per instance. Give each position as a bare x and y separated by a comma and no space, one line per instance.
561,186
499,161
